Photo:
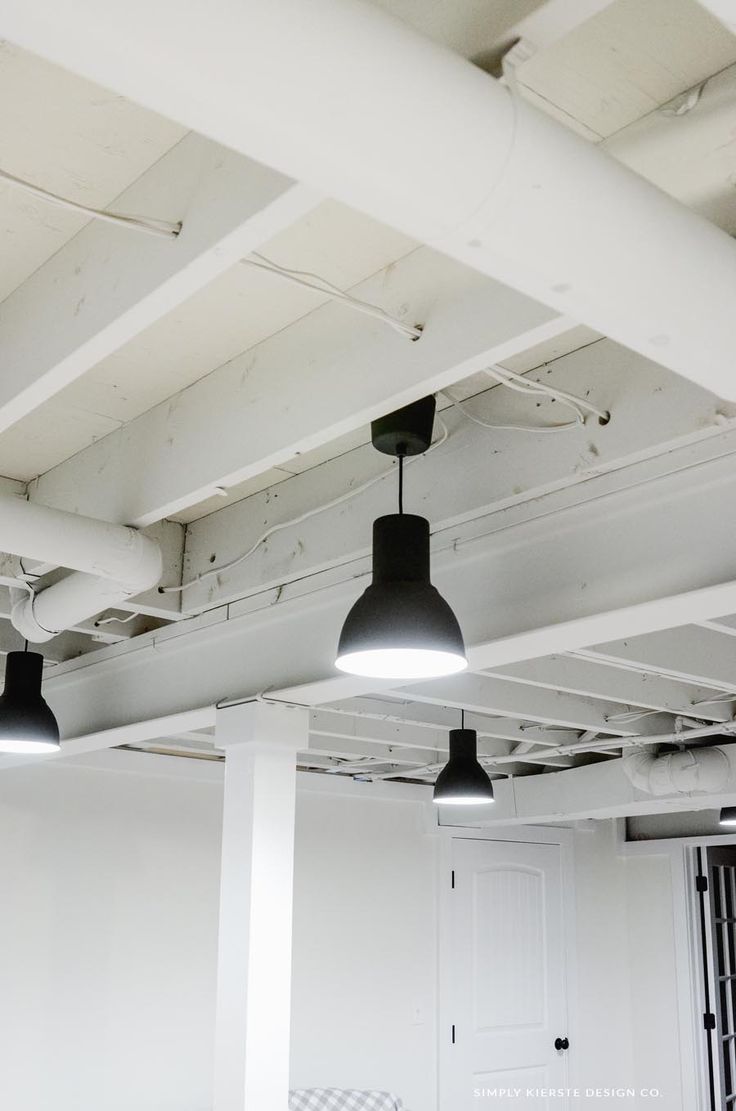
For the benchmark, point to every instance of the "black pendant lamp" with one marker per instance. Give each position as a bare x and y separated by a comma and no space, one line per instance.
27,725
728,816
401,627
462,781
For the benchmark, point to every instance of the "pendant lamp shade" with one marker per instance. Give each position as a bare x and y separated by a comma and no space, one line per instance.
463,782
27,725
401,627
728,816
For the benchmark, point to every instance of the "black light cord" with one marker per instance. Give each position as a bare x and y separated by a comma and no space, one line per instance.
462,719
401,483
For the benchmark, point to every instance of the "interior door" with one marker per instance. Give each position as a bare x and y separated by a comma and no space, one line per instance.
504,980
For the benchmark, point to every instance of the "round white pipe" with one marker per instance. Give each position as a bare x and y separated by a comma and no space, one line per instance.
341,95
701,770
112,562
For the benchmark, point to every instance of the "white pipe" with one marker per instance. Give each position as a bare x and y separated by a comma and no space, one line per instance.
345,97
112,562
701,770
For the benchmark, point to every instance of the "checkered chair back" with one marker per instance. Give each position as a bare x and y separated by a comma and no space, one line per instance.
336,1099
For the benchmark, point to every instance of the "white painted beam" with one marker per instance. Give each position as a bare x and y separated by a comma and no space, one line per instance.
522,589
328,374
256,892
639,688
595,791
693,654
392,123
107,284
484,694
475,473
421,724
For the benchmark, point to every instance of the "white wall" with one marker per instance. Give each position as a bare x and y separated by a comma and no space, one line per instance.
627,987
365,948
108,931
108,935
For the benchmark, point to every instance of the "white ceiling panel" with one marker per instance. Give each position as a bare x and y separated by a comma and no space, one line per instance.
626,61
71,137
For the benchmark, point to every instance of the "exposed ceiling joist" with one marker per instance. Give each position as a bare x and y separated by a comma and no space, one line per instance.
109,283
476,473
411,722
326,375
484,694
357,112
692,653
599,790
588,678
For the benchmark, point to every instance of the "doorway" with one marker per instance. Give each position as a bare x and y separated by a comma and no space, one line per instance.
504,1035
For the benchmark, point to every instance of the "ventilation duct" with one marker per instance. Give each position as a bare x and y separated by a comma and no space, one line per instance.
111,563
692,771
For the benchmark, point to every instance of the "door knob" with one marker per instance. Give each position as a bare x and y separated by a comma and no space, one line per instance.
561,1043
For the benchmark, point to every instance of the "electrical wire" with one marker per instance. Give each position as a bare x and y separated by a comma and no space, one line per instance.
543,428
308,280
116,620
138,223
300,519
529,385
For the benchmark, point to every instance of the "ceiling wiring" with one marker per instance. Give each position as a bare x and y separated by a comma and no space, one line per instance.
308,280
462,408
231,564
518,382
153,226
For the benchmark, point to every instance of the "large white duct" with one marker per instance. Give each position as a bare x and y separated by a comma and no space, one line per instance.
112,563
699,770
339,94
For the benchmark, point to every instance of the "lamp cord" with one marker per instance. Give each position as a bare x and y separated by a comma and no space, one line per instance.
401,483
462,719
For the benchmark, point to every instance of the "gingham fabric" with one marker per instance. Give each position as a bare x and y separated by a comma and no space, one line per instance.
336,1099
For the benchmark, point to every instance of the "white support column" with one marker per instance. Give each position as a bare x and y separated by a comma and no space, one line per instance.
254,961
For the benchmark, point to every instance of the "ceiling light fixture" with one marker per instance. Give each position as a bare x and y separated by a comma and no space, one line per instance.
462,781
27,725
728,816
401,627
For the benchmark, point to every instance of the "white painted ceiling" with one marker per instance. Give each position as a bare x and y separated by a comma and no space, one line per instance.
620,79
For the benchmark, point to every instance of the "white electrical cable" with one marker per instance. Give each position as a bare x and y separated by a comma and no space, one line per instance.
117,620
314,282
300,519
529,385
544,428
137,223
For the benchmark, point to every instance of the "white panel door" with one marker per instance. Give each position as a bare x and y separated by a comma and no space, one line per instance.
504,979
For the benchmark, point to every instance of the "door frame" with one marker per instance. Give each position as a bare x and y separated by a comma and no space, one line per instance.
681,852
535,835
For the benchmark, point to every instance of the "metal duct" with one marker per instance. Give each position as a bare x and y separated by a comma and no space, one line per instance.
112,563
688,771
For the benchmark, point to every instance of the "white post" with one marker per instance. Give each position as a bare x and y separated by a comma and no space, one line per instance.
256,890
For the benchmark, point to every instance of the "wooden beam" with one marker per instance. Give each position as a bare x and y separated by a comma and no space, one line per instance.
328,374
484,694
107,283
591,677
476,473
692,654
598,791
